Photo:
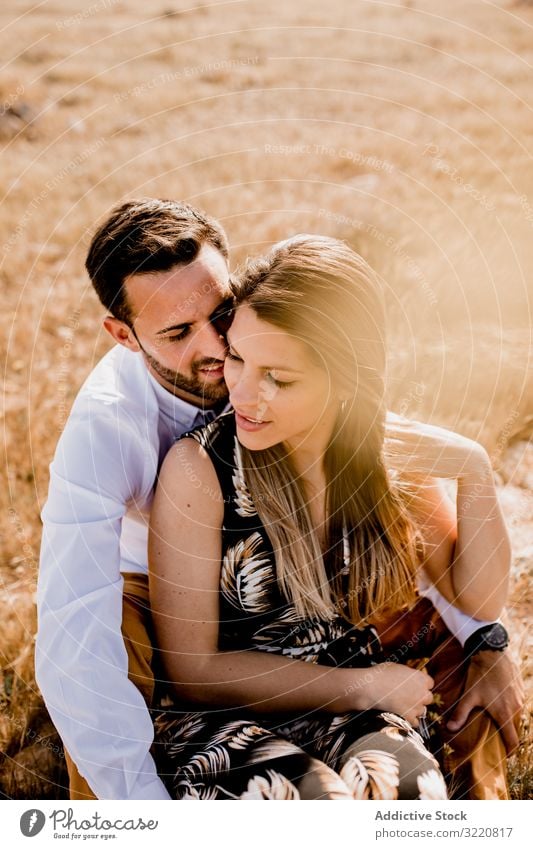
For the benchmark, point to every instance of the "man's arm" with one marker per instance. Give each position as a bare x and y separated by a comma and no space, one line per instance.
81,660
493,680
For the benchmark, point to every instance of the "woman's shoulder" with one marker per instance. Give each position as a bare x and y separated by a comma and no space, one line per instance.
215,434
190,477
206,453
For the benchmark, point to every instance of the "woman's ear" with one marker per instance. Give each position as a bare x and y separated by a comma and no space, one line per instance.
121,333
343,396
343,399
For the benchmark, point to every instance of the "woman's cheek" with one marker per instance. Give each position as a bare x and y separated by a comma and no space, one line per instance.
229,373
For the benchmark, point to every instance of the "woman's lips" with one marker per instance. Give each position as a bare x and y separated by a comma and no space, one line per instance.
249,424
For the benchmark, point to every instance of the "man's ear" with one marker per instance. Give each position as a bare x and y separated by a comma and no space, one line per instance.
121,333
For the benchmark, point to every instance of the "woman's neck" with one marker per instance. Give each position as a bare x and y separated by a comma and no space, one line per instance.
314,487
307,459
308,452
312,477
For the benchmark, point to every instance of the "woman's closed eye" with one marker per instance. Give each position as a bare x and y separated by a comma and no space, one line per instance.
231,356
281,384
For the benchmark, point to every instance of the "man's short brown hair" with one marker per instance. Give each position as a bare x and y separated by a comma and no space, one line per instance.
146,235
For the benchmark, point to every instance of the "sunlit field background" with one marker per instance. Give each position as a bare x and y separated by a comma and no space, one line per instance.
405,128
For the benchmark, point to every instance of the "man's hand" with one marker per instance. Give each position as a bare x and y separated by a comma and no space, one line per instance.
493,683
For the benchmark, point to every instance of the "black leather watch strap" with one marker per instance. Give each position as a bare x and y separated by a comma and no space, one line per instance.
487,638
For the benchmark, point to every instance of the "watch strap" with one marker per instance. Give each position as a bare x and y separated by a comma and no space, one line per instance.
481,640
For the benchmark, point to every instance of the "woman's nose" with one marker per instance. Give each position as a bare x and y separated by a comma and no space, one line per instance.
243,388
242,393
250,396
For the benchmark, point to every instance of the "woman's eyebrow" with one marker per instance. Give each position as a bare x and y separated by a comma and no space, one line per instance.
268,368
282,368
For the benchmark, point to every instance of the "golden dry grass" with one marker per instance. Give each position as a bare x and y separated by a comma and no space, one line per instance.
404,127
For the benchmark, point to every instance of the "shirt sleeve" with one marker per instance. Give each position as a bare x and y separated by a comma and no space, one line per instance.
81,660
458,623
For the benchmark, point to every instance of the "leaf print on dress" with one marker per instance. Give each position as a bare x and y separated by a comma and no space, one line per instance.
247,575
301,730
373,774
332,743
331,748
179,732
273,786
210,762
272,749
195,792
240,734
290,636
242,497
320,782
398,723
431,785
204,435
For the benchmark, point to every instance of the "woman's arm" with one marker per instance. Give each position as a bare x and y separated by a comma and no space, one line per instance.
468,549
185,562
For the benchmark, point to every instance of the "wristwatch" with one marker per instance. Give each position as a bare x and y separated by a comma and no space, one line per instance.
488,638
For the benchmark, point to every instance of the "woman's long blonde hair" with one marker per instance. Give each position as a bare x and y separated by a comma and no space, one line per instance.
323,293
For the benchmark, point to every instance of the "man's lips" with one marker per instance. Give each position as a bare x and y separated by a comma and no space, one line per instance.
248,423
212,371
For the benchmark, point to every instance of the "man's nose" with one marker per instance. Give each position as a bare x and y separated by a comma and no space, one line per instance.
211,343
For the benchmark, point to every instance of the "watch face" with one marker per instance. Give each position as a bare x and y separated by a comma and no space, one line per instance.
496,637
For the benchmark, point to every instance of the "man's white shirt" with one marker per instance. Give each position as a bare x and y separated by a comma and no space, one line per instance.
95,527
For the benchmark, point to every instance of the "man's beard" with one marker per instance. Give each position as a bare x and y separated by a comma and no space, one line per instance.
194,385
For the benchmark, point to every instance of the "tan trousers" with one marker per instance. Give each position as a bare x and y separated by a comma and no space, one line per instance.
474,758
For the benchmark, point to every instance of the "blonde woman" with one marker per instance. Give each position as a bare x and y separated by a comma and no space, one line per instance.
285,531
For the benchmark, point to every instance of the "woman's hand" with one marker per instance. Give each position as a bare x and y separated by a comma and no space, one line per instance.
399,689
424,450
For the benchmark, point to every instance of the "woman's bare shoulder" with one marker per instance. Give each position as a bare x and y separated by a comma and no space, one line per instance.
188,477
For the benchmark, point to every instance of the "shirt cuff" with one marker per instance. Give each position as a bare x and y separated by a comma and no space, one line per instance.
458,623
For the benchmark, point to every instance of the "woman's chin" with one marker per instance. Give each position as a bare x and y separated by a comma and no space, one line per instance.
255,440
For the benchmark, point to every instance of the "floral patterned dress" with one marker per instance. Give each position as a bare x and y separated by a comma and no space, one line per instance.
230,754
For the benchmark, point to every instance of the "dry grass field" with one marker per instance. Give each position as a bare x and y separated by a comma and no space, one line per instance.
403,127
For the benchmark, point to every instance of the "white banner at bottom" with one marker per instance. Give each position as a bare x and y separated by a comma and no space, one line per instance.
212,825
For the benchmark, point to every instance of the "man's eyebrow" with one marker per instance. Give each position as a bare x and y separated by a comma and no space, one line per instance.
269,368
174,327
